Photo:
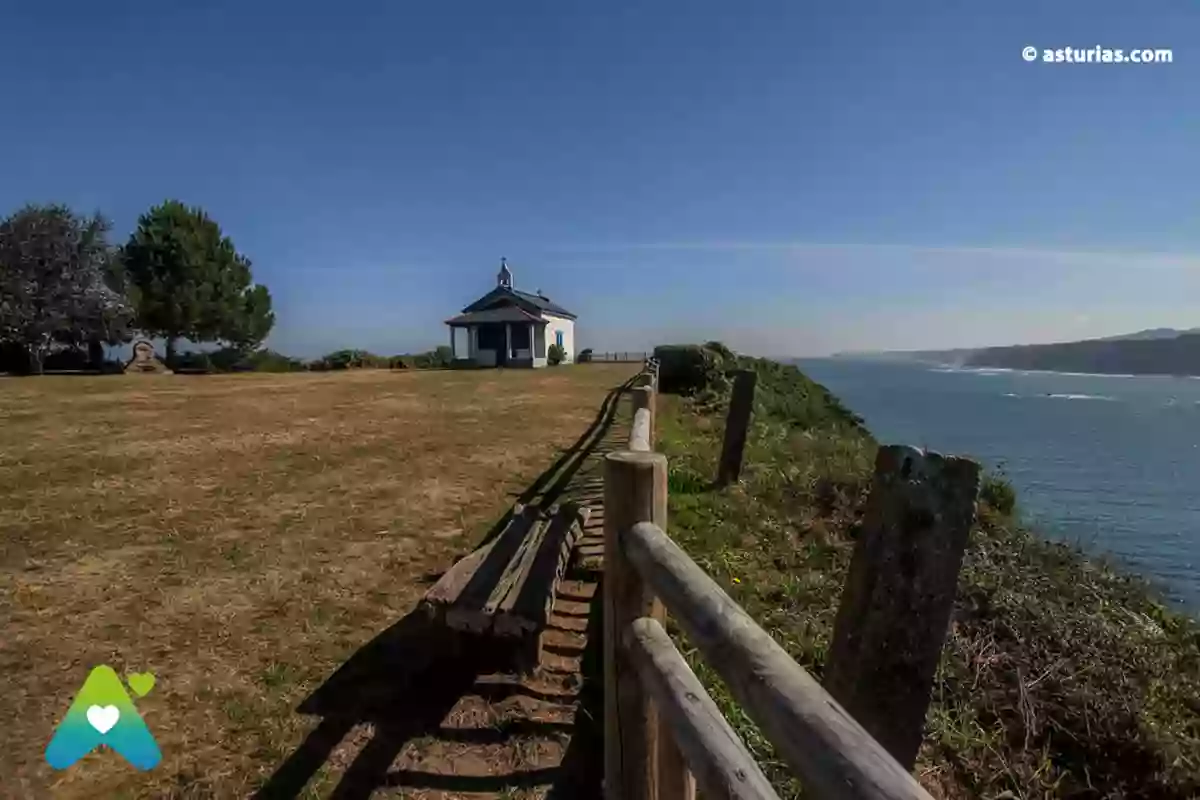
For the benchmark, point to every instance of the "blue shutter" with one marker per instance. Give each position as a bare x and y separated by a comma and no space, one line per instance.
558,338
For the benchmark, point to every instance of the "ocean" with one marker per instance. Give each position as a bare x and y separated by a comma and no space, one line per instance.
1108,462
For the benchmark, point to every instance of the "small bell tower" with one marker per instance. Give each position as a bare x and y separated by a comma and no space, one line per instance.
504,279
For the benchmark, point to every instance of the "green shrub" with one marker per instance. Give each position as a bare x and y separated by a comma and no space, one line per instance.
555,355
998,493
271,361
14,358
232,359
720,349
782,394
785,394
687,369
191,362
67,359
350,359
438,358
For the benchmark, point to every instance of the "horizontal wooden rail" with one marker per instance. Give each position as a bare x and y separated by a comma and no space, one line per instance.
826,748
721,764
622,356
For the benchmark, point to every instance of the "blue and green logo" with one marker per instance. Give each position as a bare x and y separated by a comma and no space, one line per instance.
103,713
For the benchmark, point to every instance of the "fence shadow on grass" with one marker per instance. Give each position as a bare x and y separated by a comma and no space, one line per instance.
406,680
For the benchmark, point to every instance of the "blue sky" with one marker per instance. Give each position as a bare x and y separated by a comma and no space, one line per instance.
794,178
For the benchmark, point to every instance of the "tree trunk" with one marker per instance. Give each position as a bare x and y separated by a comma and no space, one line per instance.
96,353
36,355
170,351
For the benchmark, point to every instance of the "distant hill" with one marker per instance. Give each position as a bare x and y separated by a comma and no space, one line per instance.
1155,351
1148,355
1149,333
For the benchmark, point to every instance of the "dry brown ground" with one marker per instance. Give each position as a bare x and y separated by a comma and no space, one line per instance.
240,537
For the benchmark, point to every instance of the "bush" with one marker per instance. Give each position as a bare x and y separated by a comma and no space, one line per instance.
555,355
270,361
720,349
438,358
231,359
998,493
14,358
67,359
687,369
349,359
191,362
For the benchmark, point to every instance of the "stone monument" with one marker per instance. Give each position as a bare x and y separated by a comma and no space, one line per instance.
144,360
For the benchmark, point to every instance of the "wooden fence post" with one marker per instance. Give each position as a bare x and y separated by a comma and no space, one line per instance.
737,423
896,604
675,780
643,397
635,490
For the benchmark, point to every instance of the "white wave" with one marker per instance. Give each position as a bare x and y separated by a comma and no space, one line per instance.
1014,394
1083,374
1079,397
973,370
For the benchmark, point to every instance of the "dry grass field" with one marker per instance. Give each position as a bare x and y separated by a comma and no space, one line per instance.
240,537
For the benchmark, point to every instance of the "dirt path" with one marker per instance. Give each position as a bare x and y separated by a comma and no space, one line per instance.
418,713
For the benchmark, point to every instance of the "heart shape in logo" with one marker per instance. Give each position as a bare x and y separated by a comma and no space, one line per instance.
141,683
103,718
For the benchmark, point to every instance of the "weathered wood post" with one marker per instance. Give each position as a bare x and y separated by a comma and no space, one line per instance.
899,594
675,780
635,490
737,423
643,397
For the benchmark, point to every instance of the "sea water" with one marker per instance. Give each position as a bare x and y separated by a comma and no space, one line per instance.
1111,463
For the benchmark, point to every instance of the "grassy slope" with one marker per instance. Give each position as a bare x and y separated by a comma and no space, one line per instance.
1059,678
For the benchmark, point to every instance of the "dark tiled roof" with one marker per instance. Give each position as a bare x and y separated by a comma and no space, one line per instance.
544,303
500,295
509,313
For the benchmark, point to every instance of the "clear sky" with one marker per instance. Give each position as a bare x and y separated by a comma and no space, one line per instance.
792,177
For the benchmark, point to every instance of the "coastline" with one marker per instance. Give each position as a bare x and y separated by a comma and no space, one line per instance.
982,369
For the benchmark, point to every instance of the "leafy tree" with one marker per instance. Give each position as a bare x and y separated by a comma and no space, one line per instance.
248,330
191,282
59,283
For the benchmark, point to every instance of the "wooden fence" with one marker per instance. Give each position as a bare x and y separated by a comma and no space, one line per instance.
665,738
622,356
